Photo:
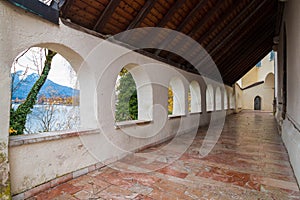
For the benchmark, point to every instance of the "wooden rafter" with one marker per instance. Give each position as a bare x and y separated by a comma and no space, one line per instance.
241,54
106,14
279,18
142,14
229,30
201,22
240,26
181,25
248,50
252,60
234,32
243,37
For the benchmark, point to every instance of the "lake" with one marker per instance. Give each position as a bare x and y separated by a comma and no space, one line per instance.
45,118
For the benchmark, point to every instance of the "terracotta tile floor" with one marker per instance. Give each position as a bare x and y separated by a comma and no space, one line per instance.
248,162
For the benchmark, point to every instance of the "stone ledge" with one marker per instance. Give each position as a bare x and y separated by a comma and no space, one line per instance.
118,125
48,136
195,113
176,116
72,175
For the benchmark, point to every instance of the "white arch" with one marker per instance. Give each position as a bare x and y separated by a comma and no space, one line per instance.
195,93
144,91
209,98
218,99
178,96
84,77
225,100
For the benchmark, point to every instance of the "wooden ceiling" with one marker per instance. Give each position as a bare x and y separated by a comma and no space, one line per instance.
236,33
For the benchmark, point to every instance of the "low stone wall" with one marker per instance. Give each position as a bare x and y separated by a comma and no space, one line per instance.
41,161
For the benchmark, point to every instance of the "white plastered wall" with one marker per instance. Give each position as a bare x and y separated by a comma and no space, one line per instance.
265,91
291,124
97,64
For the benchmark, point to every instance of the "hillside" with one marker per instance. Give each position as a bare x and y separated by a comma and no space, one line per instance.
21,88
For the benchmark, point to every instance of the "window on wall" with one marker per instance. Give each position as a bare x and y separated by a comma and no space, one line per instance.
176,97
52,107
218,99
194,97
209,98
170,101
271,55
225,100
126,97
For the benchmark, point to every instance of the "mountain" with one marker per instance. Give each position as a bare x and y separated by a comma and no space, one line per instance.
21,86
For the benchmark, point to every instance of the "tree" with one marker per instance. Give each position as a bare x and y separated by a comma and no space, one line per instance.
127,102
18,116
170,101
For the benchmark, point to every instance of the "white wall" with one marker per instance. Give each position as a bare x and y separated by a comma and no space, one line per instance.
97,64
265,91
291,124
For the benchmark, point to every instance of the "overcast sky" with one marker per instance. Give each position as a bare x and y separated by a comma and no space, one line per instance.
61,72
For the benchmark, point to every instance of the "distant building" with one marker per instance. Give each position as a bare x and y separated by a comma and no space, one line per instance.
258,85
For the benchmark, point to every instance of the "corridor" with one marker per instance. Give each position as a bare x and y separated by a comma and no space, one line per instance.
248,162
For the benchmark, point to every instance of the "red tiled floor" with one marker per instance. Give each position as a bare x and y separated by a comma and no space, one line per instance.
249,161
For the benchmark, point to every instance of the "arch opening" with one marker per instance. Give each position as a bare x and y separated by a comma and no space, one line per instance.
133,96
49,92
218,99
194,97
176,97
209,98
225,100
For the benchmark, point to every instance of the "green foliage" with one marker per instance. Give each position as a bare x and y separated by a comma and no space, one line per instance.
18,116
127,102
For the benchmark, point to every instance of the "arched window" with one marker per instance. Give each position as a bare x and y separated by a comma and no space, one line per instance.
232,101
209,98
176,97
218,99
194,97
225,100
133,98
126,97
56,103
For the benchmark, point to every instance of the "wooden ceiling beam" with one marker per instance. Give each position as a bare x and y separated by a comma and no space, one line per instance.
244,54
249,36
251,62
181,25
227,29
144,11
279,18
240,26
230,9
260,26
106,15
194,29
66,8
231,24
236,30
248,44
170,13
